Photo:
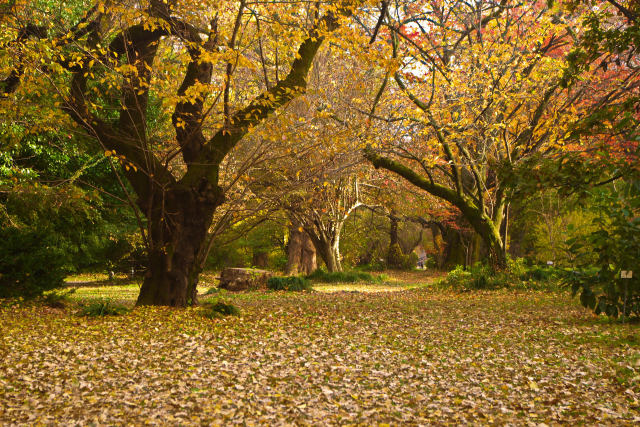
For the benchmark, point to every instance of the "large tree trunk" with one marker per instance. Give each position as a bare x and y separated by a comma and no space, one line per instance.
294,251
301,252
490,235
309,262
178,226
326,240
394,252
393,229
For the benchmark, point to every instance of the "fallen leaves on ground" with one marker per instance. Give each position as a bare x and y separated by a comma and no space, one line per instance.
409,357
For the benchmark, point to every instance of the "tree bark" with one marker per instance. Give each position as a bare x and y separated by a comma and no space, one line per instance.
178,224
393,229
330,255
309,262
301,252
294,251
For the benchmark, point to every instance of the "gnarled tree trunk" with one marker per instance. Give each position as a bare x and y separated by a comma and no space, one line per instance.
178,229
488,228
326,240
301,252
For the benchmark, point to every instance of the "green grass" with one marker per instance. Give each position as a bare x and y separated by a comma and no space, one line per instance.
122,293
57,298
346,277
102,307
289,283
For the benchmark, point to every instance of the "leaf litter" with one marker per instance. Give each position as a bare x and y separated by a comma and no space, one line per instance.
409,357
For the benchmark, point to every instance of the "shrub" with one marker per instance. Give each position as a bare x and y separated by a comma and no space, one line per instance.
31,262
218,309
616,245
395,257
398,260
344,277
49,232
477,277
517,275
374,265
103,307
290,283
410,261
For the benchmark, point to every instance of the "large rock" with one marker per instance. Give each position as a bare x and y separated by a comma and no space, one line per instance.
243,279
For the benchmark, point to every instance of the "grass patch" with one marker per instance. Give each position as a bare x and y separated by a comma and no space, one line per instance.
104,307
57,299
517,276
120,293
345,277
212,291
219,309
290,283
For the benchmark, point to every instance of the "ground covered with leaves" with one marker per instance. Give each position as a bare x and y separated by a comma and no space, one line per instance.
414,356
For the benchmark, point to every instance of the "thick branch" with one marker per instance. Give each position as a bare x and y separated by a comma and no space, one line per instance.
477,218
284,91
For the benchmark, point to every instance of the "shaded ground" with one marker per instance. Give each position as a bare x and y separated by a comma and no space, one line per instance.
409,357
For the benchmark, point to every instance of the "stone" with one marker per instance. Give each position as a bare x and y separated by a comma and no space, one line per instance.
244,279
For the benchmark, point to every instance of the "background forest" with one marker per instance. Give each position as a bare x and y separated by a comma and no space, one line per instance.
166,138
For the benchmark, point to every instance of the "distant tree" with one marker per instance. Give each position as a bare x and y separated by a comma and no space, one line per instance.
489,92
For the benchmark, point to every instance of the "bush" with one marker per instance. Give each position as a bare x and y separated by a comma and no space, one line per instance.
477,277
344,277
218,309
396,259
31,262
104,307
410,261
616,245
517,275
290,283
375,265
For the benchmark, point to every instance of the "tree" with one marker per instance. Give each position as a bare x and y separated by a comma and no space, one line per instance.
487,84
317,175
318,195
301,253
116,64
